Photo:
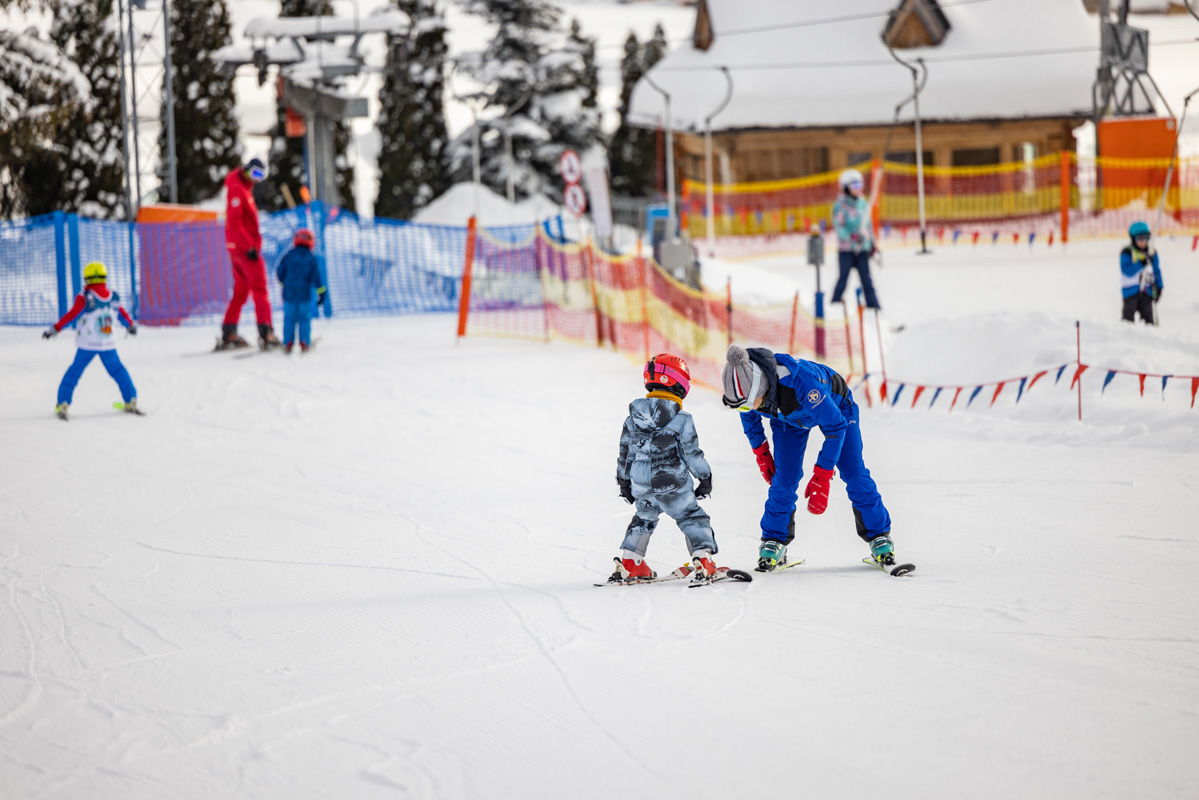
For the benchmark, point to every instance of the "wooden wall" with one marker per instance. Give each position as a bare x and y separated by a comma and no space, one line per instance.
765,155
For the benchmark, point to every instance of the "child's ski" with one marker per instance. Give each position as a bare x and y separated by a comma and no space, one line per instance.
121,407
722,573
892,568
681,572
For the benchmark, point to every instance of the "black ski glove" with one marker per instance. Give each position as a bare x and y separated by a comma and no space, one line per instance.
704,490
133,329
626,489
50,332
1157,295
252,254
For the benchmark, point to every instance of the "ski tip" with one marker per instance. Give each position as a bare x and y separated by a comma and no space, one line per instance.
903,569
740,575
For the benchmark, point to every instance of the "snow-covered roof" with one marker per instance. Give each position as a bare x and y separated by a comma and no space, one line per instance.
789,72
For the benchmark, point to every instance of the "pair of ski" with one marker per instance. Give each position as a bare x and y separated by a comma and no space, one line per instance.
722,574
889,566
119,406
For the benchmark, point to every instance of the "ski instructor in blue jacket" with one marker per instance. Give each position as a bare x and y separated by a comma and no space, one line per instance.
798,395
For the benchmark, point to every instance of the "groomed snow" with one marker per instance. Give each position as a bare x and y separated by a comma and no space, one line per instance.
366,572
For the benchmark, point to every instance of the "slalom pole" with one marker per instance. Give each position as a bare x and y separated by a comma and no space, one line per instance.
467,267
862,339
848,336
882,363
1078,345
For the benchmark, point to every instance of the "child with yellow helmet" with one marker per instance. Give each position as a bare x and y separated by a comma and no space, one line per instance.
97,308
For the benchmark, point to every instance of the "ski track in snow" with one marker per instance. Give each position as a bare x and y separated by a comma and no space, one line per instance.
368,572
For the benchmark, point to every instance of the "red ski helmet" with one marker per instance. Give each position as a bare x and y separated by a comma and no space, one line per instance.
669,373
304,238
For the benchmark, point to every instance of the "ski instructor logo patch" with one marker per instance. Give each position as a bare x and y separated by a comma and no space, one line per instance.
814,396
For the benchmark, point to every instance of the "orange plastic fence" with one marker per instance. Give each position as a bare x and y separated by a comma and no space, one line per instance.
542,290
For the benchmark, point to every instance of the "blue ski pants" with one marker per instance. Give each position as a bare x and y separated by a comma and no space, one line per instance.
849,261
297,314
790,442
692,520
112,363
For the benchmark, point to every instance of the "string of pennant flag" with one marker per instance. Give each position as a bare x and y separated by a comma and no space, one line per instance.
1023,384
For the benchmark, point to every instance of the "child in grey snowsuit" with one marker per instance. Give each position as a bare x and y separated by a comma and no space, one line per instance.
659,452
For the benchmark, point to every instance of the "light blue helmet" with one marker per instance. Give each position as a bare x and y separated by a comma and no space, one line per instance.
1138,229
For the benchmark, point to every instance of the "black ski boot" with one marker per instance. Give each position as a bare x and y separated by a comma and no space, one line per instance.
229,339
267,340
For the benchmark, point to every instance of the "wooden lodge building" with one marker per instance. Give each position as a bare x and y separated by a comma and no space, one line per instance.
815,86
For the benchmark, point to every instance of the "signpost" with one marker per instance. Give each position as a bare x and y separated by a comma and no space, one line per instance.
573,197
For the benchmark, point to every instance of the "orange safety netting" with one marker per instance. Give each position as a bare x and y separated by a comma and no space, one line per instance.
542,289
1057,195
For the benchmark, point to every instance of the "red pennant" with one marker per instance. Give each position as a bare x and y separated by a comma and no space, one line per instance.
998,389
1078,374
1036,378
1051,238
1015,238
916,396
974,238
955,399
882,390
1141,379
1194,388
1194,243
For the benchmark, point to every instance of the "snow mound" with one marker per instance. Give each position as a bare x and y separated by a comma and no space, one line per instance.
456,205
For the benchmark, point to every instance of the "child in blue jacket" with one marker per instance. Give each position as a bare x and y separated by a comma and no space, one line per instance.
796,396
299,273
1140,275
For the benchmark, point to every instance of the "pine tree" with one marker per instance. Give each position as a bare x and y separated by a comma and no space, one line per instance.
286,159
40,90
540,94
413,167
83,171
206,145
631,153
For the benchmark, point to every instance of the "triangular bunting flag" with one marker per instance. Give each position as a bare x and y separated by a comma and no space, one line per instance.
956,234
898,392
882,391
1164,379
994,237
998,389
974,237
1031,236
1035,378
1051,238
973,395
915,397
936,394
1020,391
1078,374
1059,374
1194,389
955,398
1141,380
1111,373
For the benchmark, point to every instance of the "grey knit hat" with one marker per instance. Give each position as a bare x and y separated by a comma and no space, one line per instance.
742,378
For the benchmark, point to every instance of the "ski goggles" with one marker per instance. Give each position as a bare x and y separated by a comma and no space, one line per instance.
257,174
1142,239
856,185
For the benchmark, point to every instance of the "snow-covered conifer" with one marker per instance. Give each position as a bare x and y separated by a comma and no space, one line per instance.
80,168
631,153
206,146
413,167
537,86
40,90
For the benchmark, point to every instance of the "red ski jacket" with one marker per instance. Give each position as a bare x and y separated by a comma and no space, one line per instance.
241,214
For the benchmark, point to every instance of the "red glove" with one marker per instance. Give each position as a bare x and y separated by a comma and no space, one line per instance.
766,461
817,490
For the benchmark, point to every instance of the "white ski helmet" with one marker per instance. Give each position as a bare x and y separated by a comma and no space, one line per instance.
850,176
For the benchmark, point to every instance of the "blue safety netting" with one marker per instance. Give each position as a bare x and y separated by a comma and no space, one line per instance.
29,267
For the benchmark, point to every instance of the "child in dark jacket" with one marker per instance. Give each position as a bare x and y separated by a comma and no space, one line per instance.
1140,275
659,452
299,273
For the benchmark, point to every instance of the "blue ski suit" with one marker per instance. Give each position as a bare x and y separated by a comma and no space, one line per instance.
802,395
300,274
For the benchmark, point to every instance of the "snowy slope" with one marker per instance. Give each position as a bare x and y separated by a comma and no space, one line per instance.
367,572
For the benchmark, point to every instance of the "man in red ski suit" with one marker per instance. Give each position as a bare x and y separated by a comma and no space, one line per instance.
244,243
